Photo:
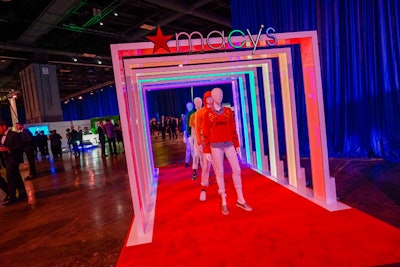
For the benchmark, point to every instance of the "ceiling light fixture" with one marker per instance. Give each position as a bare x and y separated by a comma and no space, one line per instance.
65,71
99,62
101,23
116,14
147,27
88,55
75,59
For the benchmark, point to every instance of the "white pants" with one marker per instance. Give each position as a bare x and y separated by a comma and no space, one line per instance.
197,156
189,149
205,169
218,164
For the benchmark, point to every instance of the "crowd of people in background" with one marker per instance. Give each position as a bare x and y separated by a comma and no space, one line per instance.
166,125
19,141
112,132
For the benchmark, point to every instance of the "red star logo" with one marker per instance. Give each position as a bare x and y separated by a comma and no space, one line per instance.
160,40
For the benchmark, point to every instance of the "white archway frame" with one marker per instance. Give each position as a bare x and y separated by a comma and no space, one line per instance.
141,169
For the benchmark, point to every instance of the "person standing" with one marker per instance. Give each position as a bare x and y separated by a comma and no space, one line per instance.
74,139
163,127
80,139
29,147
174,126
55,144
68,136
4,187
12,151
102,138
43,144
119,138
109,129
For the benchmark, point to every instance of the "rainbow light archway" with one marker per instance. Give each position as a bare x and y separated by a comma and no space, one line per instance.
170,77
135,68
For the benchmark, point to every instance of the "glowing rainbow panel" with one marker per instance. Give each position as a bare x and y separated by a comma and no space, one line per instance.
258,162
164,75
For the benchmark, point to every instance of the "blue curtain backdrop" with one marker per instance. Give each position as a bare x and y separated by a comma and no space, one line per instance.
360,64
170,102
99,103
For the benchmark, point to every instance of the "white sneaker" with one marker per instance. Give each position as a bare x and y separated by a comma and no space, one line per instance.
203,195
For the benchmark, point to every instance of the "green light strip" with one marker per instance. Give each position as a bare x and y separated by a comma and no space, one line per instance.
97,18
255,120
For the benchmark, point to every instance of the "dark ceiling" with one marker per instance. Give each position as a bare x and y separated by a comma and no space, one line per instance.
57,31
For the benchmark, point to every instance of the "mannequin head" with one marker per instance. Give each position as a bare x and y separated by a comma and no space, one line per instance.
217,95
208,101
197,102
189,106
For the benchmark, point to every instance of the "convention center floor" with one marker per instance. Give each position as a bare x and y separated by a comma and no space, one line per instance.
79,209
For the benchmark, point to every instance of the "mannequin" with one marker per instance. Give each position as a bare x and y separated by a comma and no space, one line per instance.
187,139
206,165
196,157
220,138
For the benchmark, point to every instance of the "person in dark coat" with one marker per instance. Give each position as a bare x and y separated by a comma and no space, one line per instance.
11,147
102,138
43,145
4,187
118,136
55,144
109,130
29,147
75,141
80,138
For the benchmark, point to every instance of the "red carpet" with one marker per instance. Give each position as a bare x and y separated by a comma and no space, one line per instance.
284,229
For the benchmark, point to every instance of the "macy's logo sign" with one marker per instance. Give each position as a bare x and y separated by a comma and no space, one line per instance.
160,40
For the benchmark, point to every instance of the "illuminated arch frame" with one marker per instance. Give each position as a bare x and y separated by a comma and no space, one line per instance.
167,74
324,186
296,175
218,73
